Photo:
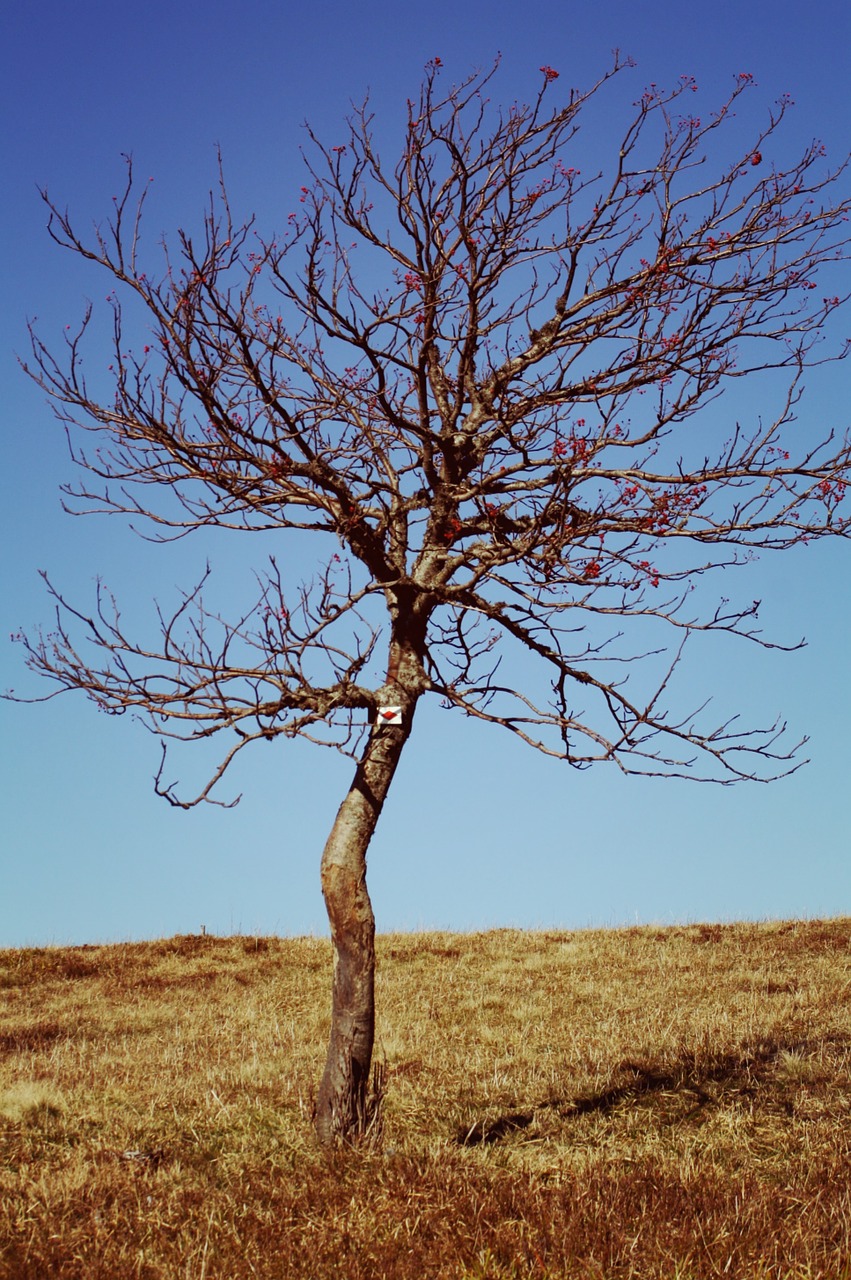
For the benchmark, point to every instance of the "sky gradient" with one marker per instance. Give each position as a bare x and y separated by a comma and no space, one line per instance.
479,830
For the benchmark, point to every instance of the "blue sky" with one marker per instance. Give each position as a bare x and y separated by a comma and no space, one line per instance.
479,830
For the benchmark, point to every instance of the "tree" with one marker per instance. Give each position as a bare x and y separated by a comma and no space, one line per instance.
476,377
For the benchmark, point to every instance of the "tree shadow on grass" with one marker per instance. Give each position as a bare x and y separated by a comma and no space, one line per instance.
706,1083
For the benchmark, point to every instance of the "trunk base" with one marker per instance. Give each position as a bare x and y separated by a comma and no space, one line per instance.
350,1113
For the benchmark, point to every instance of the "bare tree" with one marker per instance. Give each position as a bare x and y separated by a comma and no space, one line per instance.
476,374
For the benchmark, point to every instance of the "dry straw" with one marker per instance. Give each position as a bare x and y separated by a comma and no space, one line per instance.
604,1105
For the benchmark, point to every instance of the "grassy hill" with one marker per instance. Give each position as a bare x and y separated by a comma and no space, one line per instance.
671,1103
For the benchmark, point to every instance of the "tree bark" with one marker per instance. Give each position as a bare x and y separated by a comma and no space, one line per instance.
342,1100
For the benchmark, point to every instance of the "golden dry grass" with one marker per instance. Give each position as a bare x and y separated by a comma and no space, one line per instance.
642,1103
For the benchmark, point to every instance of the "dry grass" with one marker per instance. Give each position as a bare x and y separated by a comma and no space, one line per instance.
600,1105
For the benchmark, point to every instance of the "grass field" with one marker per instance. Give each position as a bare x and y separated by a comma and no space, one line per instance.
671,1103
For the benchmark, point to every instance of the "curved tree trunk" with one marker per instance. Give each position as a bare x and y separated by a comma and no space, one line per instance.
341,1104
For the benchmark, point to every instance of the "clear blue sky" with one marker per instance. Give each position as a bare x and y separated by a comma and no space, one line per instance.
479,830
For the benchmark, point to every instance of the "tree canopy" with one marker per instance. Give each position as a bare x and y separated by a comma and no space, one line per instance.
490,401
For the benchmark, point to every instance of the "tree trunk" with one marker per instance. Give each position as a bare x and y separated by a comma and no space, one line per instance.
341,1104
